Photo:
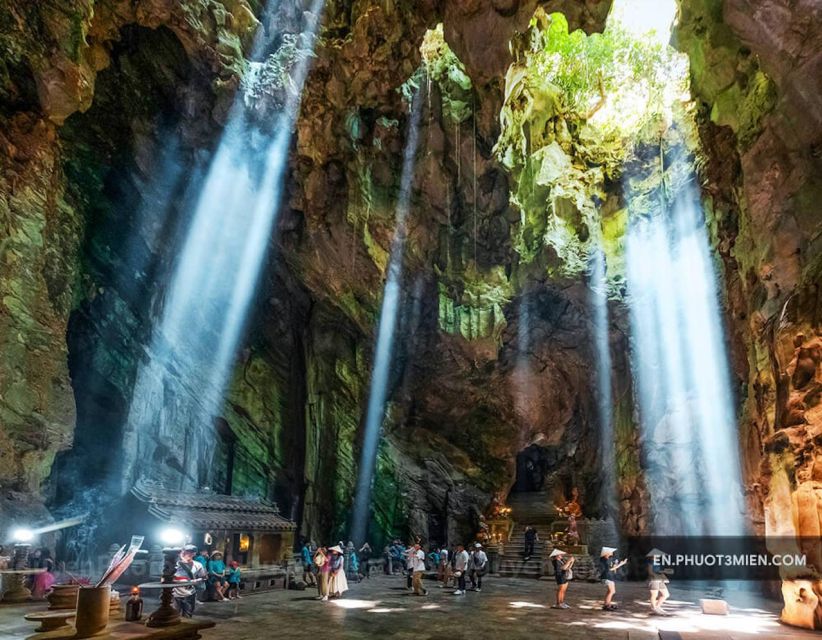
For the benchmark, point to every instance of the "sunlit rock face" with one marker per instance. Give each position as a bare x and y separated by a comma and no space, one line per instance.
107,105
756,66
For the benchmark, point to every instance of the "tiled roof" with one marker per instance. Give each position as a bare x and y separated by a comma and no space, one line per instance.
203,510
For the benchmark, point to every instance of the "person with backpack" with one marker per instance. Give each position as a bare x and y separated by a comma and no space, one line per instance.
188,570
479,567
562,574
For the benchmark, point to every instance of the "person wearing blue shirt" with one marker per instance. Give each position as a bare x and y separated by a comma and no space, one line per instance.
308,564
216,575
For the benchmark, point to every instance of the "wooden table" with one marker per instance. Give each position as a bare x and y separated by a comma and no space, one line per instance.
120,630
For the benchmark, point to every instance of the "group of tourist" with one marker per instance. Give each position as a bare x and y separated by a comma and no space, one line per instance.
356,562
608,566
453,568
328,566
204,574
328,569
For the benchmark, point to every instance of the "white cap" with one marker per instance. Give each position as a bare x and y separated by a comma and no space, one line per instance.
557,552
607,550
653,553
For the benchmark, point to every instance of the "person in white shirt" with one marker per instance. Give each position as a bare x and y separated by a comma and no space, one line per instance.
188,570
416,565
461,560
479,567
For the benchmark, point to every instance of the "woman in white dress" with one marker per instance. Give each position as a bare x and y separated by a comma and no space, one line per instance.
337,582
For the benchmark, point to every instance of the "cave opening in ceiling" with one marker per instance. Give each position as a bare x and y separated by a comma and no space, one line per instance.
599,134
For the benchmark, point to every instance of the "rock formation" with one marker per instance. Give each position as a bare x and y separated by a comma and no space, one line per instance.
109,113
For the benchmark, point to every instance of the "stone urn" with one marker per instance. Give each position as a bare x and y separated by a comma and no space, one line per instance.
63,596
93,605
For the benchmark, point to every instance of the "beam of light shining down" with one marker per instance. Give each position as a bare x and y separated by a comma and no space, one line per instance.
689,433
389,312
599,306
179,390
523,388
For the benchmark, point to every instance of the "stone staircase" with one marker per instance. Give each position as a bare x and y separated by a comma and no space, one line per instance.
527,508
537,510
512,562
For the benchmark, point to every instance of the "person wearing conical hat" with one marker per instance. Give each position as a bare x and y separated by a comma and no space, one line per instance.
337,582
607,569
657,581
562,574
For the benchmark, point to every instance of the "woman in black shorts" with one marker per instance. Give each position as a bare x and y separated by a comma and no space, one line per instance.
562,574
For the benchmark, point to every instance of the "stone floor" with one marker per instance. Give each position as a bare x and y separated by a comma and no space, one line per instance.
506,609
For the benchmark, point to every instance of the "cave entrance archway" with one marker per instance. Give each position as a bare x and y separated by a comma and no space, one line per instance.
539,469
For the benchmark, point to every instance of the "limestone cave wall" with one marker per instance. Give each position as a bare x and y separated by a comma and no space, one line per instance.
110,112
756,68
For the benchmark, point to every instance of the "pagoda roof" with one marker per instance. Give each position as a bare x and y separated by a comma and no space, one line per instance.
203,510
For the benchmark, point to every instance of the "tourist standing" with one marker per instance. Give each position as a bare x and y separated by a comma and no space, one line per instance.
479,567
365,557
388,561
308,564
444,568
353,572
416,565
562,574
461,560
321,562
607,569
188,570
337,583
657,582
531,538
409,573
202,588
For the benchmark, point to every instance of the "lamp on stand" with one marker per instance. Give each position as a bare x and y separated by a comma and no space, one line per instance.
167,615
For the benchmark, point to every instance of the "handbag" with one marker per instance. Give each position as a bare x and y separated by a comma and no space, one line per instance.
568,574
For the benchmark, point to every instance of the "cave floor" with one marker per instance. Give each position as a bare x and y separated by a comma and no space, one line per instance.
507,608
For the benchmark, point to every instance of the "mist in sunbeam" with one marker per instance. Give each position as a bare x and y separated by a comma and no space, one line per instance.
680,362
389,312
179,387
599,306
